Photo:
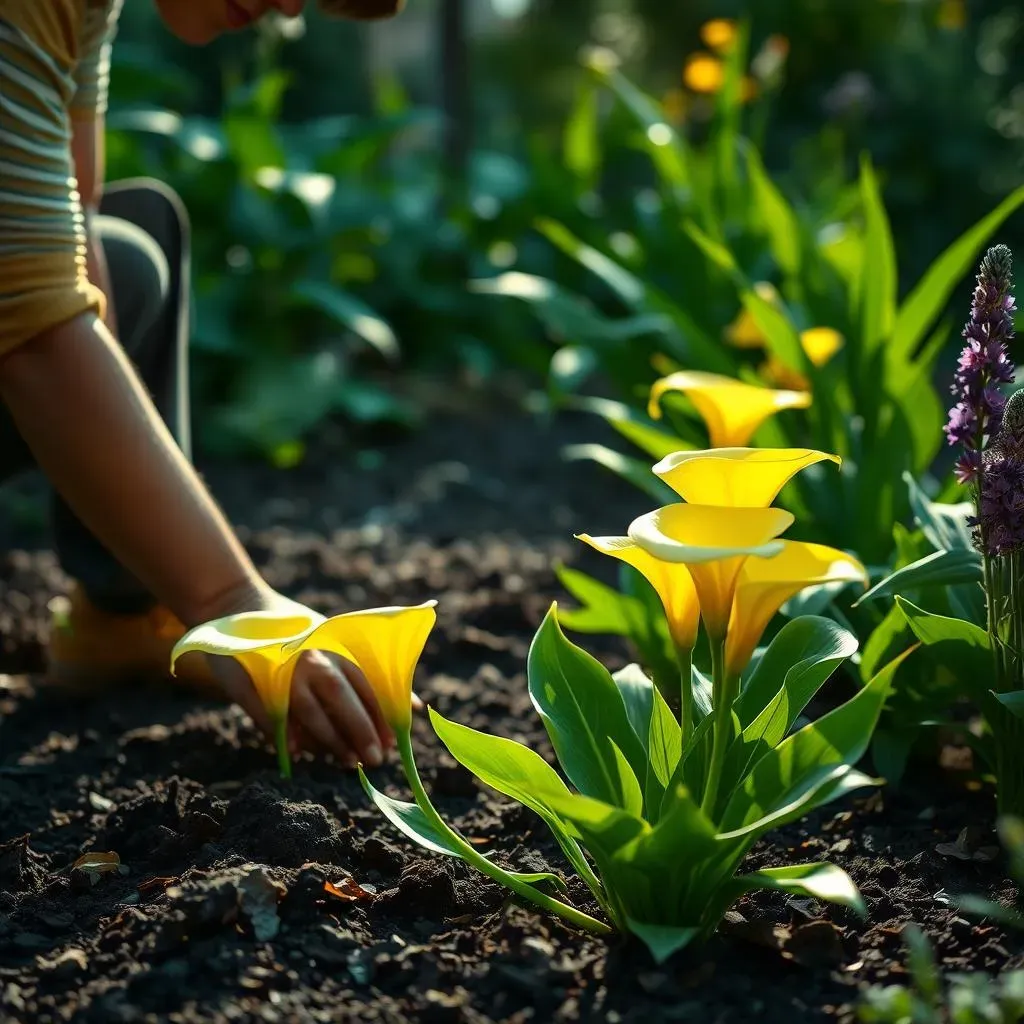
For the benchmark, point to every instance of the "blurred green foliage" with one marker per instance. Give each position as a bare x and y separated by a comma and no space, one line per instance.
330,245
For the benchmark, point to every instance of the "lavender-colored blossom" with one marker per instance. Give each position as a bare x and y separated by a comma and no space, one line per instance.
1001,509
985,361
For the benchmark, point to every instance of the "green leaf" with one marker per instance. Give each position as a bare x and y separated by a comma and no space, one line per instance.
604,609
638,696
939,569
350,312
777,216
809,765
632,425
581,145
803,654
628,783
966,650
661,939
878,273
664,748
1013,702
514,770
926,301
945,526
632,470
410,821
819,881
584,714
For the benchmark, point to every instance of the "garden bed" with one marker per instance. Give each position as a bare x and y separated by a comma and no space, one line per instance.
369,928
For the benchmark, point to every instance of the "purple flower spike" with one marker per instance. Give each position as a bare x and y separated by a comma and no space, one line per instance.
985,360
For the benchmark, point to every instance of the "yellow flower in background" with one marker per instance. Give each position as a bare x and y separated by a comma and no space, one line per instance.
952,15
675,105
736,477
672,582
714,543
744,332
703,73
259,642
765,585
820,344
731,409
386,644
719,34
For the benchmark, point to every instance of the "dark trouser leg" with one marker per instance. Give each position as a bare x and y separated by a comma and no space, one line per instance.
145,240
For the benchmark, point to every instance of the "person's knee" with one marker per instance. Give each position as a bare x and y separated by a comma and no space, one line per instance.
139,277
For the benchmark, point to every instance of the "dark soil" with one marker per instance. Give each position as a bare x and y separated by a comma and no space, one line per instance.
472,512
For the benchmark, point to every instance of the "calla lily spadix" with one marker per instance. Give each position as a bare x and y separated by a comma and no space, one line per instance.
738,477
731,409
765,585
672,582
713,543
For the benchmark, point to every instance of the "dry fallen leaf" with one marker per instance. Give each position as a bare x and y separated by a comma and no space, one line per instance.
97,863
349,890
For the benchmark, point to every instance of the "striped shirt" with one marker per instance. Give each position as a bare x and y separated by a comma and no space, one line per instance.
54,70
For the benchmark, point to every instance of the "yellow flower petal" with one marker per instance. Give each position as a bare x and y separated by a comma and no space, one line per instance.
750,477
765,585
732,409
719,34
386,644
714,543
821,344
703,73
743,332
258,641
778,375
672,582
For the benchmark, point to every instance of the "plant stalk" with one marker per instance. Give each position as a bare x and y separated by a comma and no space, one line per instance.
724,689
684,658
281,742
477,860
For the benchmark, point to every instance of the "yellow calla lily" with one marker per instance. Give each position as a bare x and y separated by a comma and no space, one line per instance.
732,409
737,477
386,644
820,344
744,332
713,542
765,585
672,582
259,642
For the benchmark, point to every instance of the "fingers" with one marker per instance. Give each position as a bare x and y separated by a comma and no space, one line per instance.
354,675
344,707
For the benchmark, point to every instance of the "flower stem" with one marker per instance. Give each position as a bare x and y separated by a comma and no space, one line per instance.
1010,767
684,658
281,741
724,689
477,860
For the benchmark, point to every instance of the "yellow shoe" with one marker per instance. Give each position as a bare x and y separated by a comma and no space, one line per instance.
91,649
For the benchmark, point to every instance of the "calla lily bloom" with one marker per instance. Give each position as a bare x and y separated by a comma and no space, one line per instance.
732,409
819,343
744,331
672,582
765,585
737,477
386,644
713,543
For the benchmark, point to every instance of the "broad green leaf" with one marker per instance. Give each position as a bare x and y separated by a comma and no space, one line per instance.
929,297
410,821
514,770
803,654
939,569
878,272
638,696
702,692
890,751
885,641
1013,702
632,470
628,783
788,780
583,712
661,939
777,216
687,340
570,368
632,425
603,609
945,526
581,145
665,748
814,651
350,312
966,651
819,881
